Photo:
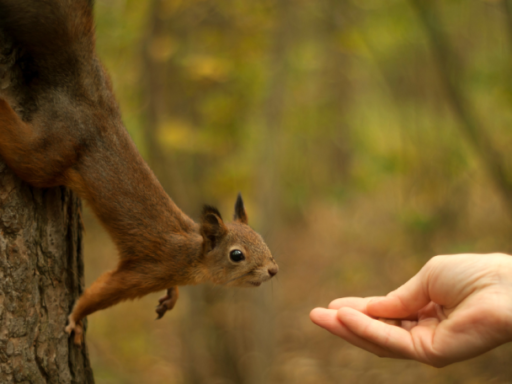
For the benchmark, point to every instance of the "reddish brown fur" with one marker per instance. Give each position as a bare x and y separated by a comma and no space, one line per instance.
60,125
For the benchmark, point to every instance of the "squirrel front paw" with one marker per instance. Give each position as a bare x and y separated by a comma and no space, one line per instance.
77,328
167,302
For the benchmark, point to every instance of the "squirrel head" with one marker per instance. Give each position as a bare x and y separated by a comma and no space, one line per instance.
233,253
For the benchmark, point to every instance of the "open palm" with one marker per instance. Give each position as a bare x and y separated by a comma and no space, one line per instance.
455,308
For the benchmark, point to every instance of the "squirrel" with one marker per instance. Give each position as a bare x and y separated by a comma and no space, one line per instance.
60,125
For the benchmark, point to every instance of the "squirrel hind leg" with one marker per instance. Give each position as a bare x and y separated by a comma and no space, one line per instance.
109,289
167,302
40,159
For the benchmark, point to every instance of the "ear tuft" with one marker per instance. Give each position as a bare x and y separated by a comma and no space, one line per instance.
240,214
213,228
208,209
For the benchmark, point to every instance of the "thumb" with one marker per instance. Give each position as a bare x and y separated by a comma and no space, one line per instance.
402,302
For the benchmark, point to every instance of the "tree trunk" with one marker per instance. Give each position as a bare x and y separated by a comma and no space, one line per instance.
41,276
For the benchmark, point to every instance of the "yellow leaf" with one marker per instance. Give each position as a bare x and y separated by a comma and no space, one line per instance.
207,68
161,48
179,135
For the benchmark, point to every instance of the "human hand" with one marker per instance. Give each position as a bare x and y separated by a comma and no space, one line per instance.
456,307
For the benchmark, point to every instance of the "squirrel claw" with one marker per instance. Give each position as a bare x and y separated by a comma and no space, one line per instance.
77,328
160,310
167,302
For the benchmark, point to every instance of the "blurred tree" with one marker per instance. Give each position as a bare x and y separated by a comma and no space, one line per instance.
155,55
336,91
269,181
42,269
507,8
448,67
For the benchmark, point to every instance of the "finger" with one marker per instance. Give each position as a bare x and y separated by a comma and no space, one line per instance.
404,302
391,338
328,319
358,303
361,304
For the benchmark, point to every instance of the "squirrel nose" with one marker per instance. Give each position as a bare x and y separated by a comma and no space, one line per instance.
273,271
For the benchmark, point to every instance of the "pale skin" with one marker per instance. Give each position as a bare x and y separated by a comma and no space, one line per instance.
455,308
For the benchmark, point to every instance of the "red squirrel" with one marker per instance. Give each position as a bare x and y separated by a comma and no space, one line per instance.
60,125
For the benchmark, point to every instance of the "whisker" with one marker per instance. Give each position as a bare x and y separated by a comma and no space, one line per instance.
239,277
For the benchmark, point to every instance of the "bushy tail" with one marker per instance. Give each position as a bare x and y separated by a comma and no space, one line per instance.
42,43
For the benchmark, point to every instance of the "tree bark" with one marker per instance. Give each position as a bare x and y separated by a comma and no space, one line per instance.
41,276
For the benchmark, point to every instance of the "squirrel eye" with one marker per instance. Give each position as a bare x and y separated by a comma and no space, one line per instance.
236,255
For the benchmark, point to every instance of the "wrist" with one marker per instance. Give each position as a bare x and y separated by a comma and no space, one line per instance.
502,304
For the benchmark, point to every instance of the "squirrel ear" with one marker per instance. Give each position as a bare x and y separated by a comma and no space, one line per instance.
212,226
240,214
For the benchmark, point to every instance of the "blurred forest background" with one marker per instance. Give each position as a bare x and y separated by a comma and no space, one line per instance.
366,136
